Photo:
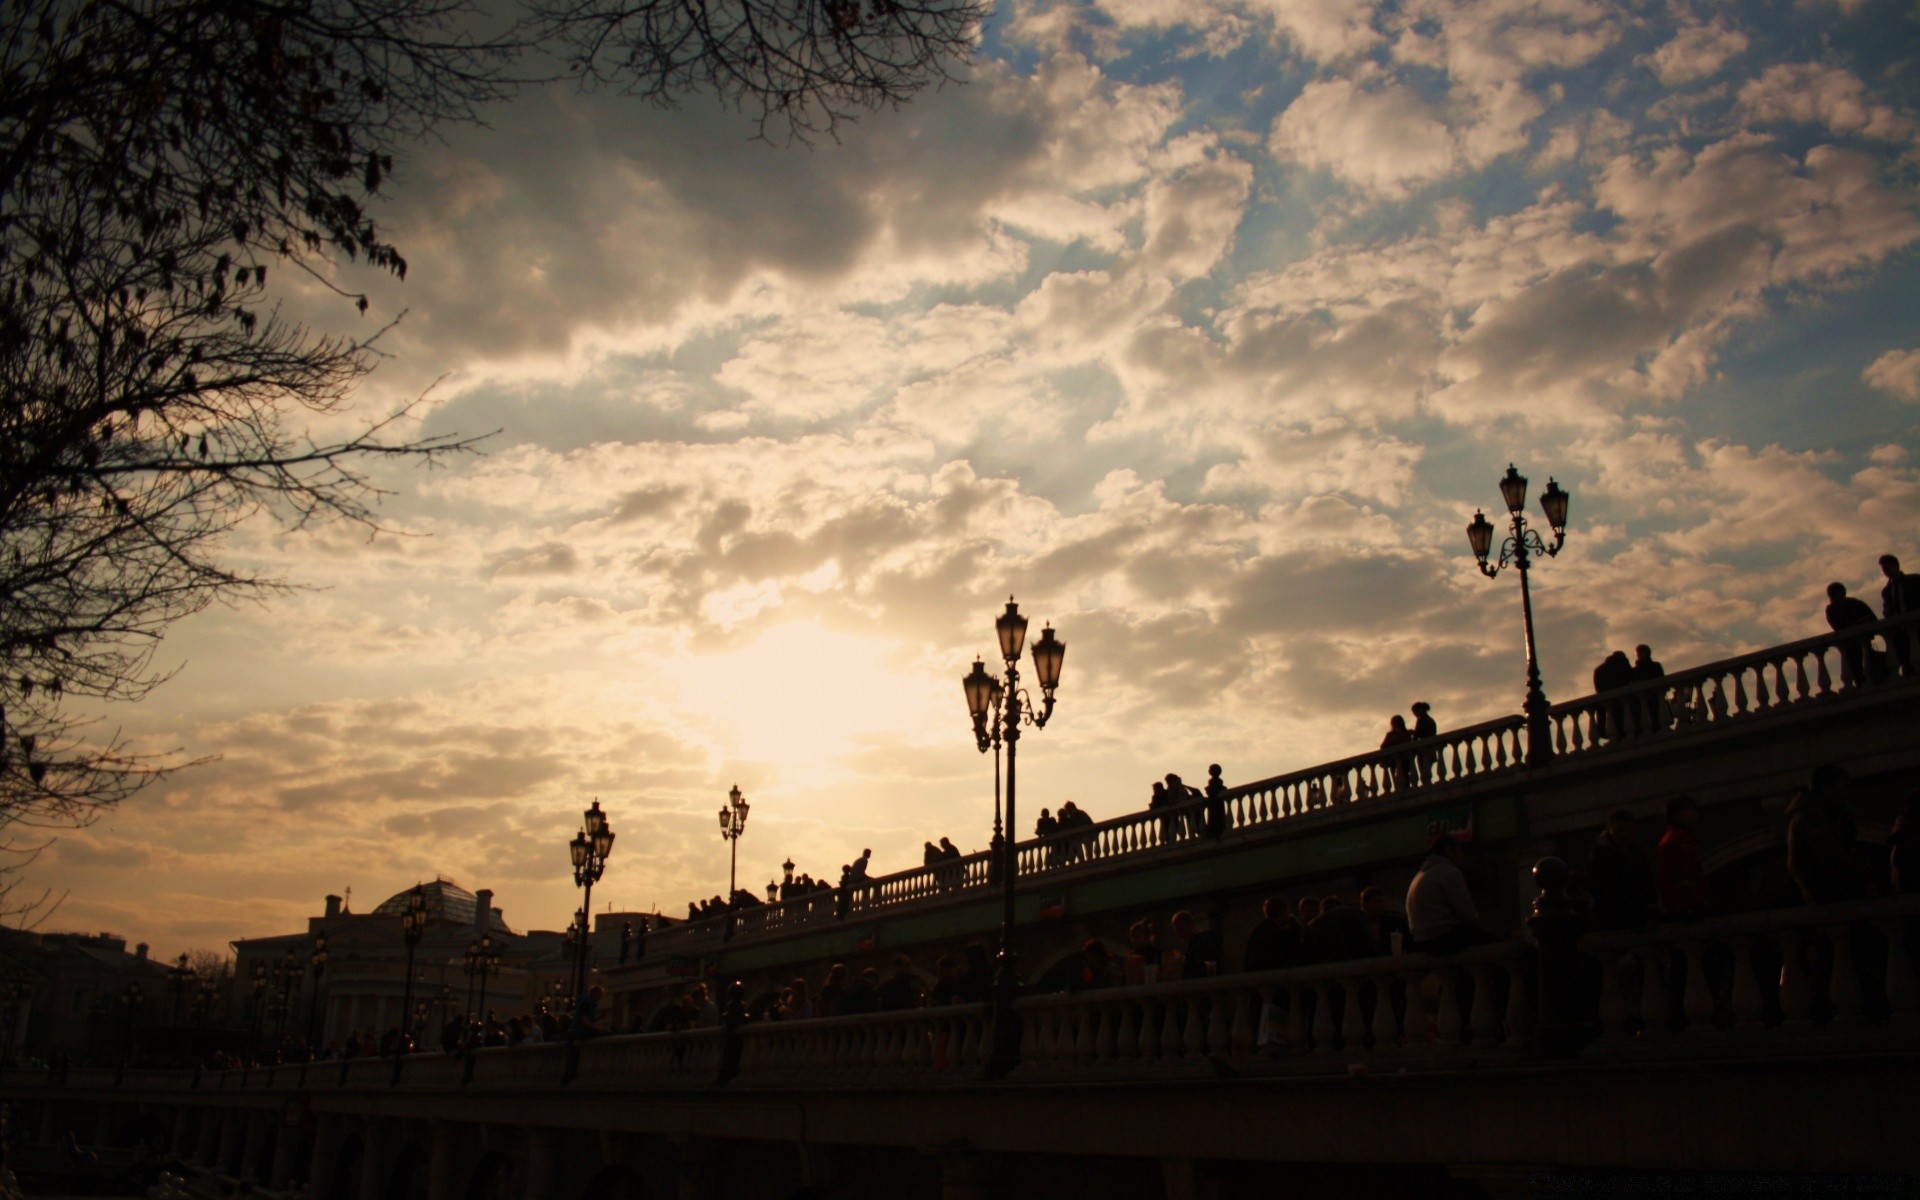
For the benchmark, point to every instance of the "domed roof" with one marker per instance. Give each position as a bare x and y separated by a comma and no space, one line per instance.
446,901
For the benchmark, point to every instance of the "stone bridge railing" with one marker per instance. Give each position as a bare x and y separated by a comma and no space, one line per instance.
1734,692
1804,981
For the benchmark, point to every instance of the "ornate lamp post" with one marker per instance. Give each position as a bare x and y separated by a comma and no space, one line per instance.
16,993
179,979
288,972
1521,544
259,1002
317,959
481,961
733,823
999,709
413,925
132,999
589,848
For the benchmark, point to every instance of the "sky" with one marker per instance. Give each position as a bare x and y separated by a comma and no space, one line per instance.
1201,328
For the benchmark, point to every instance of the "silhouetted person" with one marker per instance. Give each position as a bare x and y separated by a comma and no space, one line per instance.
1613,673
1072,824
832,998
1144,954
1424,729
1903,843
1847,612
1277,940
1440,909
1200,950
1339,934
976,981
901,990
946,983
1678,871
1820,837
1160,802
1384,922
1619,877
1899,598
863,994
1646,669
1398,735
929,855
1096,968
1047,826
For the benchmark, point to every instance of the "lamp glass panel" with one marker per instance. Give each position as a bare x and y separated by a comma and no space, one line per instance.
578,848
979,687
1513,489
1048,655
1012,630
603,842
1480,535
1553,502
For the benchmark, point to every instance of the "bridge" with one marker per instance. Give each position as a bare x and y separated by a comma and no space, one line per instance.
1773,1039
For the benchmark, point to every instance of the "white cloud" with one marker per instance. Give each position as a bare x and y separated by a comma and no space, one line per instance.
1896,372
1820,94
1698,51
1385,140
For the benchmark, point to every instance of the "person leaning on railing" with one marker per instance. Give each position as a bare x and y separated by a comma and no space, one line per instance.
1440,911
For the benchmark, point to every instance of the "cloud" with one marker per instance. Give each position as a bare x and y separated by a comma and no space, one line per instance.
1698,51
1385,140
1824,95
1897,372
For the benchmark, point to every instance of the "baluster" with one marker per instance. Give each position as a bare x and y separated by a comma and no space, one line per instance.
1240,1035
1845,991
1086,1041
1127,1041
1481,1020
1322,1018
1105,1049
1173,1042
1655,1011
1044,1035
1560,732
1149,1032
1386,1033
1353,1024
1416,1025
1500,749
1519,1018
1450,1018
1611,999
1740,693
1796,990
1760,696
966,1042
1218,1023
1297,1017
1749,1007
1456,759
1697,1001
1820,671
1780,692
1195,1034
1800,675
1903,990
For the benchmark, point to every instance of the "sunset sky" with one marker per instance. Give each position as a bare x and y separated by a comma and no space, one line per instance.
1200,327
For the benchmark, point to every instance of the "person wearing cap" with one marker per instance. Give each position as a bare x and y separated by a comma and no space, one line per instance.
1440,910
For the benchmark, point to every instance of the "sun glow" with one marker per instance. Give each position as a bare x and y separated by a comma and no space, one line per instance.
800,698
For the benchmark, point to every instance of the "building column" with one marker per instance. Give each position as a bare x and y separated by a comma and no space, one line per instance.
377,1138
326,1144
286,1144
443,1161
259,1128
542,1158
231,1123
208,1140
178,1146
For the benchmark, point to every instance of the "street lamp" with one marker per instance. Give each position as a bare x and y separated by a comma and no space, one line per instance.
998,709
481,961
413,925
1517,551
733,823
259,1002
317,959
133,997
589,848
179,979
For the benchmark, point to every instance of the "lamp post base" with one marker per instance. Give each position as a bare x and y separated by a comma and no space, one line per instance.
1003,1052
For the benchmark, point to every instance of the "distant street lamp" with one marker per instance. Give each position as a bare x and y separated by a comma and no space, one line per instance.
259,1003
179,979
288,973
132,998
16,993
589,848
481,961
998,709
1522,543
413,925
733,823
317,959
